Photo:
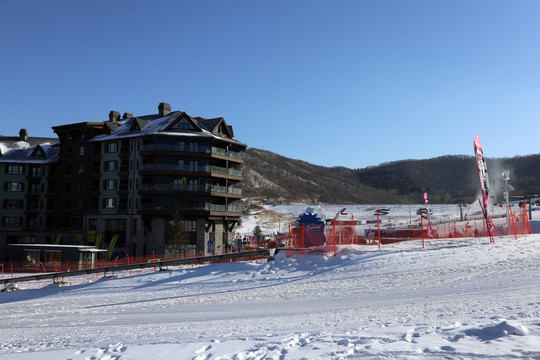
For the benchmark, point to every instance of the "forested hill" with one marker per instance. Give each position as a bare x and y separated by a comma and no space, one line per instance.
447,179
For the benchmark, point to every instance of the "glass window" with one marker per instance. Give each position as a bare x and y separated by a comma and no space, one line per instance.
183,124
31,258
14,186
15,169
111,165
190,226
51,257
109,203
13,204
12,220
81,150
112,147
34,189
33,221
110,184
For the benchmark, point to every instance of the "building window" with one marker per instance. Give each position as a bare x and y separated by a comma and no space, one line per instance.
112,147
13,204
110,185
32,204
31,258
109,203
81,150
194,147
35,171
78,186
179,146
33,221
78,203
183,124
34,189
80,168
13,186
15,169
190,226
111,166
11,221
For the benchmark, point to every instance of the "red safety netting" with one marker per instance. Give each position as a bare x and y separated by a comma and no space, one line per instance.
340,233
11,267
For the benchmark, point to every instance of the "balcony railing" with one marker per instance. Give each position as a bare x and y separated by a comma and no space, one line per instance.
235,191
173,167
175,187
206,207
191,168
190,187
234,172
173,147
225,152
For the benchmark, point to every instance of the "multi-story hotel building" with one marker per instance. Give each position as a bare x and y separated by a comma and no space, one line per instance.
124,181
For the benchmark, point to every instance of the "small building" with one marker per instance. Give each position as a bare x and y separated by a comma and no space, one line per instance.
32,256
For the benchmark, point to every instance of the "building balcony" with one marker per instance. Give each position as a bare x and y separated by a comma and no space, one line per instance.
228,154
199,151
207,210
214,190
211,170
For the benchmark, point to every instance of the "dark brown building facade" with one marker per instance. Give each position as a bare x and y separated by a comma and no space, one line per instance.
124,182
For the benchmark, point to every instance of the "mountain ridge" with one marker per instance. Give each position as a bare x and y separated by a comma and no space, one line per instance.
447,179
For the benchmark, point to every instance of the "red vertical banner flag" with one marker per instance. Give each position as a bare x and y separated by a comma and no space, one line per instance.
484,183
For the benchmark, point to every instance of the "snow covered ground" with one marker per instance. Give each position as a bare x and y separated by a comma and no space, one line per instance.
455,299
275,218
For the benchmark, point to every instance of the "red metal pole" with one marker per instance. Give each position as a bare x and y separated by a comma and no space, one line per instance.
526,218
302,237
334,231
513,223
290,250
378,230
354,227
129,263
422,226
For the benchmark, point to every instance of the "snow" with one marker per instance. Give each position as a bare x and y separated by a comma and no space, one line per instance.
455,299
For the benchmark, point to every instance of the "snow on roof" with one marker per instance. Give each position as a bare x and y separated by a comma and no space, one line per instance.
148,125
15,142
39,154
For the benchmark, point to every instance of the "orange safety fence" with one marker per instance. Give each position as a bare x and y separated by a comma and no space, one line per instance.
339,233
12,267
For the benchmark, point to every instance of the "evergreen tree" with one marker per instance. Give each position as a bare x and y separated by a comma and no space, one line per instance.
175,235
257,232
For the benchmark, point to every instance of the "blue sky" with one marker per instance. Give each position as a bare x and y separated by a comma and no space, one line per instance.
334,83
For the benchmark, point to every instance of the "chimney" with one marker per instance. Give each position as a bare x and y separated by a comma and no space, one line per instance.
114,115
127,116
164,109
23,134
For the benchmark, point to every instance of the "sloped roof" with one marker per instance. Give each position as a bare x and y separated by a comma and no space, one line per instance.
39,154
155,124
15,142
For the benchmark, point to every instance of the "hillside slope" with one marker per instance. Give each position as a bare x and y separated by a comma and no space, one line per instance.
448,179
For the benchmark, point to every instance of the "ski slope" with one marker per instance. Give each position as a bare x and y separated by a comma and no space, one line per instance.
455,299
